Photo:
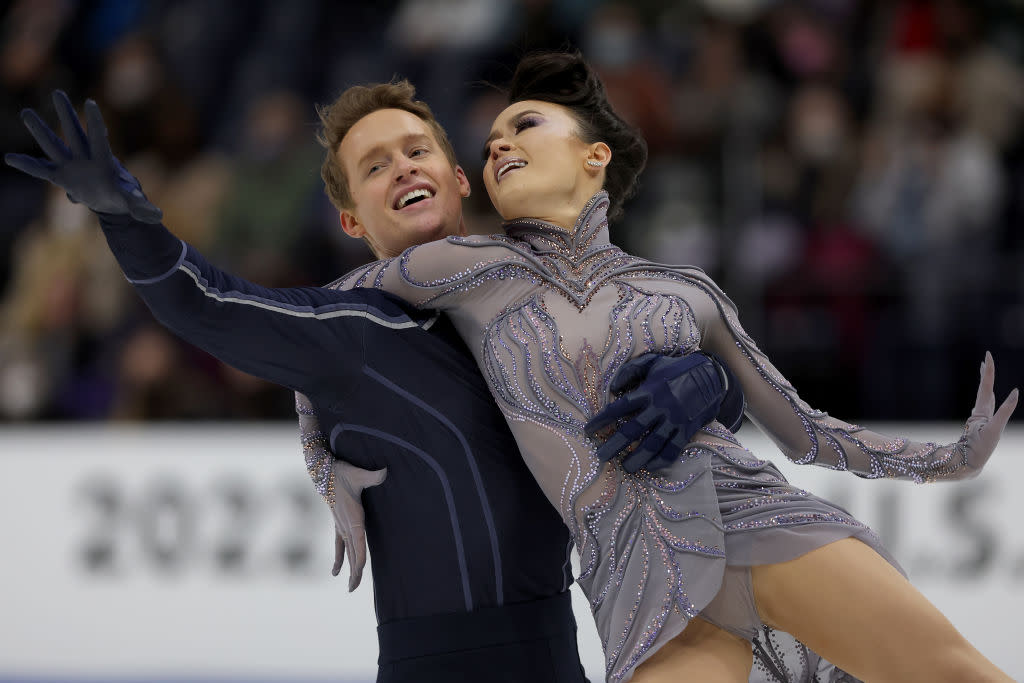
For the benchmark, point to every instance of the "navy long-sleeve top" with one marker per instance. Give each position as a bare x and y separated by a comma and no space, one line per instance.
459,523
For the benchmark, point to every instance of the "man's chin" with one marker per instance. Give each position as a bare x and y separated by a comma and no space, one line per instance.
428,228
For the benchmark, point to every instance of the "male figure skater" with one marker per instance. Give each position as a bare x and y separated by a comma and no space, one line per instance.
471,568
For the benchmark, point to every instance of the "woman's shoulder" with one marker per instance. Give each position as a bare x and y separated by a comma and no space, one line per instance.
692,281
495,241
642,267
458,252
359,276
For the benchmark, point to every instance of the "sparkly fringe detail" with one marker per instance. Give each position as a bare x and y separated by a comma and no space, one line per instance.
315,449
319,461
303,408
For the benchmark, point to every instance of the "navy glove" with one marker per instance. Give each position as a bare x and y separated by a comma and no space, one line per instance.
673,398
85,167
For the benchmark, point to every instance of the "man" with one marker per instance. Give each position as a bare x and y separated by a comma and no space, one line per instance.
471,563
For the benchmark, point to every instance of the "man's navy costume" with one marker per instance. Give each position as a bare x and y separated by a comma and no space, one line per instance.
470,562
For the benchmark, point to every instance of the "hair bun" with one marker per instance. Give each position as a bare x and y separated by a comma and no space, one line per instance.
565,78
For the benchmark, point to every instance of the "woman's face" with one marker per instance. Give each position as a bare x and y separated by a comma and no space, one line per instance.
536,164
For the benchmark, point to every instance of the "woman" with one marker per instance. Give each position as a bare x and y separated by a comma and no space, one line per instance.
686,568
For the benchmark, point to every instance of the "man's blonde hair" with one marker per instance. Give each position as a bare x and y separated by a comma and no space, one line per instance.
337,119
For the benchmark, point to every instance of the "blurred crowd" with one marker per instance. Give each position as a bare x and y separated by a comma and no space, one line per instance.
852,174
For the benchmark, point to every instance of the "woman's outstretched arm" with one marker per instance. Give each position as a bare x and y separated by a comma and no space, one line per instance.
809,436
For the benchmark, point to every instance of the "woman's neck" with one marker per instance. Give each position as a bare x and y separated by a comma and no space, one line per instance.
563,215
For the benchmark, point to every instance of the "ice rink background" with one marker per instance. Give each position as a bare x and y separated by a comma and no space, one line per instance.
199,553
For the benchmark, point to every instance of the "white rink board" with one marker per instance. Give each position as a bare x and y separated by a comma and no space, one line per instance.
188,552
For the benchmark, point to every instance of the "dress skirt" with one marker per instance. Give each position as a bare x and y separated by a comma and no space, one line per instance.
689,535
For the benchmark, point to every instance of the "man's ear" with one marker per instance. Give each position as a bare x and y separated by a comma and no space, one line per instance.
464,188
350,224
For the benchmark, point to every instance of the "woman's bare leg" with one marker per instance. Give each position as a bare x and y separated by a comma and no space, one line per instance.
849,605
702,653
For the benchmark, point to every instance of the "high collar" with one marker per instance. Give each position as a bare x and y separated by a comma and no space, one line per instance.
590,231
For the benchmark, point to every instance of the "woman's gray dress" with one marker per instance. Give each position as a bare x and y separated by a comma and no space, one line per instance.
550,316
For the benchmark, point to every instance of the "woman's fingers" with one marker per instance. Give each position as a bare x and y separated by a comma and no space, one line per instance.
339,553
985,403
1002,416
364,479
356,560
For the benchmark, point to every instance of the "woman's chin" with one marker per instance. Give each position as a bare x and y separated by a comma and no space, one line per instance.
513,198
509,209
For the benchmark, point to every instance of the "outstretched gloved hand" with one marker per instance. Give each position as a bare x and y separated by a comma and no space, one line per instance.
85,167
985,425
673,399
349,517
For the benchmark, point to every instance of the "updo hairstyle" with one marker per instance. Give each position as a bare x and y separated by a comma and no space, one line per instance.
566,79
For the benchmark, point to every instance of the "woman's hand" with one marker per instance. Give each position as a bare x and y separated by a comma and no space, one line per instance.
985,425
349,517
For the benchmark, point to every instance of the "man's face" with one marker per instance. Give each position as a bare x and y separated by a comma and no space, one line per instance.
404,191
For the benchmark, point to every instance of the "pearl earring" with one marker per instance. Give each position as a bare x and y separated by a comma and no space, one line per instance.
591,162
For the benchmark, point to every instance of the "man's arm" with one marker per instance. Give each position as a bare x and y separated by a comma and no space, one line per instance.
306,338
668,400
282,335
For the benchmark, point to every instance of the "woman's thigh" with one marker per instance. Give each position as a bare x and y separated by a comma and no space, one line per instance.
701,653
849,605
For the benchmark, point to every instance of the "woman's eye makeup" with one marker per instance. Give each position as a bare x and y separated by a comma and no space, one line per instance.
518,126
526,122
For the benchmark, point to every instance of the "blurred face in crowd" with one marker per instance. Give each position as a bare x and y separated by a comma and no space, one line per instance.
404,190
536,164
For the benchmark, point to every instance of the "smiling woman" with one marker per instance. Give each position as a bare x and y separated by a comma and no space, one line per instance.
564,170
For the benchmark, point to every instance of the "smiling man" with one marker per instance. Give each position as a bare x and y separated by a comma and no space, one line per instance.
470,562
406,185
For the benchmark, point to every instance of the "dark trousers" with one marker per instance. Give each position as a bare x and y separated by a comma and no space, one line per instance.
532,642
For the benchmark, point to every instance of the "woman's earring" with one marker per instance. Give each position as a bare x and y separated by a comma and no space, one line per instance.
591,162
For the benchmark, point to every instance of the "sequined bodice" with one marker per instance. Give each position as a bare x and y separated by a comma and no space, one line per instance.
580,325
549,355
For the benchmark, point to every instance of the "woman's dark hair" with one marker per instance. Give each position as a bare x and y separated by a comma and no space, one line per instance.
565,78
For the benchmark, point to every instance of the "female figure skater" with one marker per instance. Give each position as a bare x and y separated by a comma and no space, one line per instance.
686,567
